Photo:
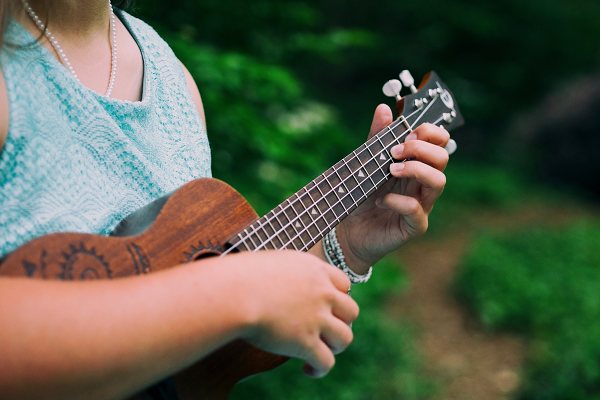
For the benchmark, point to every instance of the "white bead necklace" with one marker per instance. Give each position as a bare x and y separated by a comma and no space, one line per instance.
63,57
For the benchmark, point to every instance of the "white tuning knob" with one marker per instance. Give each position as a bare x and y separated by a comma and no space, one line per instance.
451,146
392,88
408,80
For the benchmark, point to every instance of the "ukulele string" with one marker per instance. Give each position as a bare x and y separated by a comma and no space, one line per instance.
389,128
298,198
365,195
305,246
340,201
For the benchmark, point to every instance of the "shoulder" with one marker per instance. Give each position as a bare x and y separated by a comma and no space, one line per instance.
150,37
194,92
3,111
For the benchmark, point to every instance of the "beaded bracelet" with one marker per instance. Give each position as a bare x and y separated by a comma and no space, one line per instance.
335,256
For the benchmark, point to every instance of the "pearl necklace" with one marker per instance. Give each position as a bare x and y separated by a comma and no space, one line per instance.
63,57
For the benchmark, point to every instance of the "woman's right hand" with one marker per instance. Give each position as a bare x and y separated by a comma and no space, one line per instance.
298,307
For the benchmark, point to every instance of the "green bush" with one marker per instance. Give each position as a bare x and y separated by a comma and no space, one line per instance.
545,284
381,363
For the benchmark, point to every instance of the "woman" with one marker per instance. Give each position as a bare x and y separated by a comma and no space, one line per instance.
98,118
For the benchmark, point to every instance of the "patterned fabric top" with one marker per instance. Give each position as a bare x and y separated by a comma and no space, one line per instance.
76,161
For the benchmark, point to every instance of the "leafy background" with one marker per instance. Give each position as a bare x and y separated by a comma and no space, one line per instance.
289,88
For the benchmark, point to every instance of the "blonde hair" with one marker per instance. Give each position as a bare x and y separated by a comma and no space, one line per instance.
9,7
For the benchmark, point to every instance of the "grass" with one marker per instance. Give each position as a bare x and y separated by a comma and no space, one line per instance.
544,284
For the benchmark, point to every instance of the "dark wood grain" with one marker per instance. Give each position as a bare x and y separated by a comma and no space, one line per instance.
196,221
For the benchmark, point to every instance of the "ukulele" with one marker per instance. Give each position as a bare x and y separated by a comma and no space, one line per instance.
179,228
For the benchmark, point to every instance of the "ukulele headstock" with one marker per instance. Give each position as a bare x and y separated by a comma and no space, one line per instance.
431,101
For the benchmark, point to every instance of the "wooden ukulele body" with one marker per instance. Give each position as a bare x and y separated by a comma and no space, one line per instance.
196,221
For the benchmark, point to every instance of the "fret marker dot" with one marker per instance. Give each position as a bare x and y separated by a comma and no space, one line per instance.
382,157
298,224
314,211
360,174
341,190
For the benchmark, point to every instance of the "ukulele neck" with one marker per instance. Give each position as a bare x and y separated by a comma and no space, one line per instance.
306,216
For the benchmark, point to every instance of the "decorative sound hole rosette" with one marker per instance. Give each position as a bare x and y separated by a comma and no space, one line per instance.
203,249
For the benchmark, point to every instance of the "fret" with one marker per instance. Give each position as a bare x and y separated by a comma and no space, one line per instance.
273,218
343,191
363,154
243,245
351,181
301,218
371,165
301,239
277,235
265,239
322,207
379,148
249,237
400,132
369,159
329,212
292,224
286,233
315,216
331,195
357,195
305,201
297,206
288,215
376,146
367,181
334,199
389,138
304,236
409,127
315,196
280,233
355,167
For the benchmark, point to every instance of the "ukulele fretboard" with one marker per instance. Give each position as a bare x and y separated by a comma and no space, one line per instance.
305,217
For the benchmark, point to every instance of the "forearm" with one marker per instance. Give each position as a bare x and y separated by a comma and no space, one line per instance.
107,339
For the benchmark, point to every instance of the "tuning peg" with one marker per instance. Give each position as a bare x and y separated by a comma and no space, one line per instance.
408,80
451,146
392,88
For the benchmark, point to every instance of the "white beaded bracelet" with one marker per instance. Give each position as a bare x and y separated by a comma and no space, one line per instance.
335,256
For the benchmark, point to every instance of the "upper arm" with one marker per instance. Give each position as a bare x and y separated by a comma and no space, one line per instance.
3,112
194,92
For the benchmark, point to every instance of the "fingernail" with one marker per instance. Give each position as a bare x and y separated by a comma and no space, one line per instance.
396,167
397,151
411,136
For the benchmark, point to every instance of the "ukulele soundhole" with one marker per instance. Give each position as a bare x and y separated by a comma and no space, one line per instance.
203,250
82,263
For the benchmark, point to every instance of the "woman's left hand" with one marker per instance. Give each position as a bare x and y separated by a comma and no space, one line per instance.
400,209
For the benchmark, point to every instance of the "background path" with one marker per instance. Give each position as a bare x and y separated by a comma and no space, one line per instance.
466,362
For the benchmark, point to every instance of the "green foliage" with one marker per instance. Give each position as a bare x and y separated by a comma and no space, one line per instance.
475,186
482,185
544,284
263,129
289,88
381,363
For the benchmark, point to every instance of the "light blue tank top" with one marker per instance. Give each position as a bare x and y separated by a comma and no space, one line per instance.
76,161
